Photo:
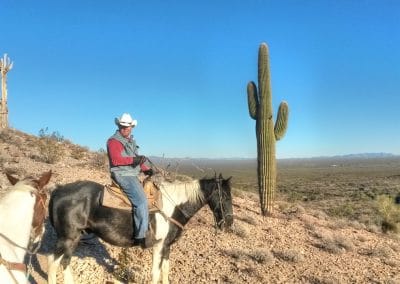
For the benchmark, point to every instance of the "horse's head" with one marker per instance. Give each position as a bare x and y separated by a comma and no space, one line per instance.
219,198
39,209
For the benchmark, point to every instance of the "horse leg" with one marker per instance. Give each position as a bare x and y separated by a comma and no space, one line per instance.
62,256
68,276
165,270
53,265
157,262
160,262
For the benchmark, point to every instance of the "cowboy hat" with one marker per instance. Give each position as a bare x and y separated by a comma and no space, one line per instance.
125,120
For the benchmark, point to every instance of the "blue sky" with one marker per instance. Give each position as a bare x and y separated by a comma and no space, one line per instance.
181,69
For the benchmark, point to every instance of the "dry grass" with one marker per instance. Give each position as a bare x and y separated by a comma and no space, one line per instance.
240,231
99,160
260,256
289,255
332,242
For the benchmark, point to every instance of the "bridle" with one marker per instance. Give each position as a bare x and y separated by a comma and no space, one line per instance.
221,194
35,232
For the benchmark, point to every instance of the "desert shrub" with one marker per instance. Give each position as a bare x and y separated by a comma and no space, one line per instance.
248,219
319,214
78,152
126,272
339,224
333,243
238,193
293,209
237,254
261,256
240,231
6,135
50,148
344,242
288,255
373,228
316,279
258,255
389,213
380,251
294,196
309,223
55,135
99,160
344,210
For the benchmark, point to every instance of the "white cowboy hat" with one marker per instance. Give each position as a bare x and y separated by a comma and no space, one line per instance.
125,120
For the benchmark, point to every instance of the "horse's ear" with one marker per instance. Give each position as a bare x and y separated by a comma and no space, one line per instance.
13,180
220,176
44,179
229,178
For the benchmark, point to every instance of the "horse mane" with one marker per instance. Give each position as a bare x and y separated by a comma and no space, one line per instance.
178,190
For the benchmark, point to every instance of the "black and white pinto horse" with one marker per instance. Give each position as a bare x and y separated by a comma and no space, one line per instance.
75,208
22,213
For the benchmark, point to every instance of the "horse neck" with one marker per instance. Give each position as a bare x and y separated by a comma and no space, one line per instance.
181,194
16,214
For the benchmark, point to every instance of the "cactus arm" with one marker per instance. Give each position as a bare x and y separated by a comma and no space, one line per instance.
264,82
281,120
252,99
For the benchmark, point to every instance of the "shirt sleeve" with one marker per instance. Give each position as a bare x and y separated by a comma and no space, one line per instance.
115,149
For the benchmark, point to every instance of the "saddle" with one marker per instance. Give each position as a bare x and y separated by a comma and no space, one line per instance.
115,197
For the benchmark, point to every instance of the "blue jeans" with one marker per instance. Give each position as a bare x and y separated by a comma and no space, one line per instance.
135,192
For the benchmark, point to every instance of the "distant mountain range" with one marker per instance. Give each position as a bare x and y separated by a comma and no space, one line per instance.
346,157
361,156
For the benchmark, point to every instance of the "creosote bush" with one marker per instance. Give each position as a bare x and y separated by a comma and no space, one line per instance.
49,146
99,160
79,152
389,212
126,272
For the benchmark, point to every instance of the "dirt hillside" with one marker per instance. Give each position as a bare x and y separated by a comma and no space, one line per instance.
296,245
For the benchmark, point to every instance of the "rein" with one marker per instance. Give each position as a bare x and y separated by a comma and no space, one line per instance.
170,219
12,266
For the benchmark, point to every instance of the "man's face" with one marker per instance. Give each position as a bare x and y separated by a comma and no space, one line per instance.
125,131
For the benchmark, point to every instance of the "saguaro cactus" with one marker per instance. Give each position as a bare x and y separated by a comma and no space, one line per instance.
5,66
260,109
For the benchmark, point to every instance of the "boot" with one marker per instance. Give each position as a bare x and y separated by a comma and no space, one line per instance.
149,240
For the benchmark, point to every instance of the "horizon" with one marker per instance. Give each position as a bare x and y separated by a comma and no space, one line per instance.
181,69
344,156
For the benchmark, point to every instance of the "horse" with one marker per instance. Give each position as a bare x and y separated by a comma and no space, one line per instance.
22,213
75,208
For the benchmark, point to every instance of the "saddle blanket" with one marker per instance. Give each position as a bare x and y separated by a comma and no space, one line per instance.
115,197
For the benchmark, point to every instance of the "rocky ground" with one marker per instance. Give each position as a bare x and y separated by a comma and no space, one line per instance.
295,245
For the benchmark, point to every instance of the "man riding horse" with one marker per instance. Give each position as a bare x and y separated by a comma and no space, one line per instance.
125,166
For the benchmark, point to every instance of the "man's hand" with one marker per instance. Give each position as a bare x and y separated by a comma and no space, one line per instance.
138,160
148,172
